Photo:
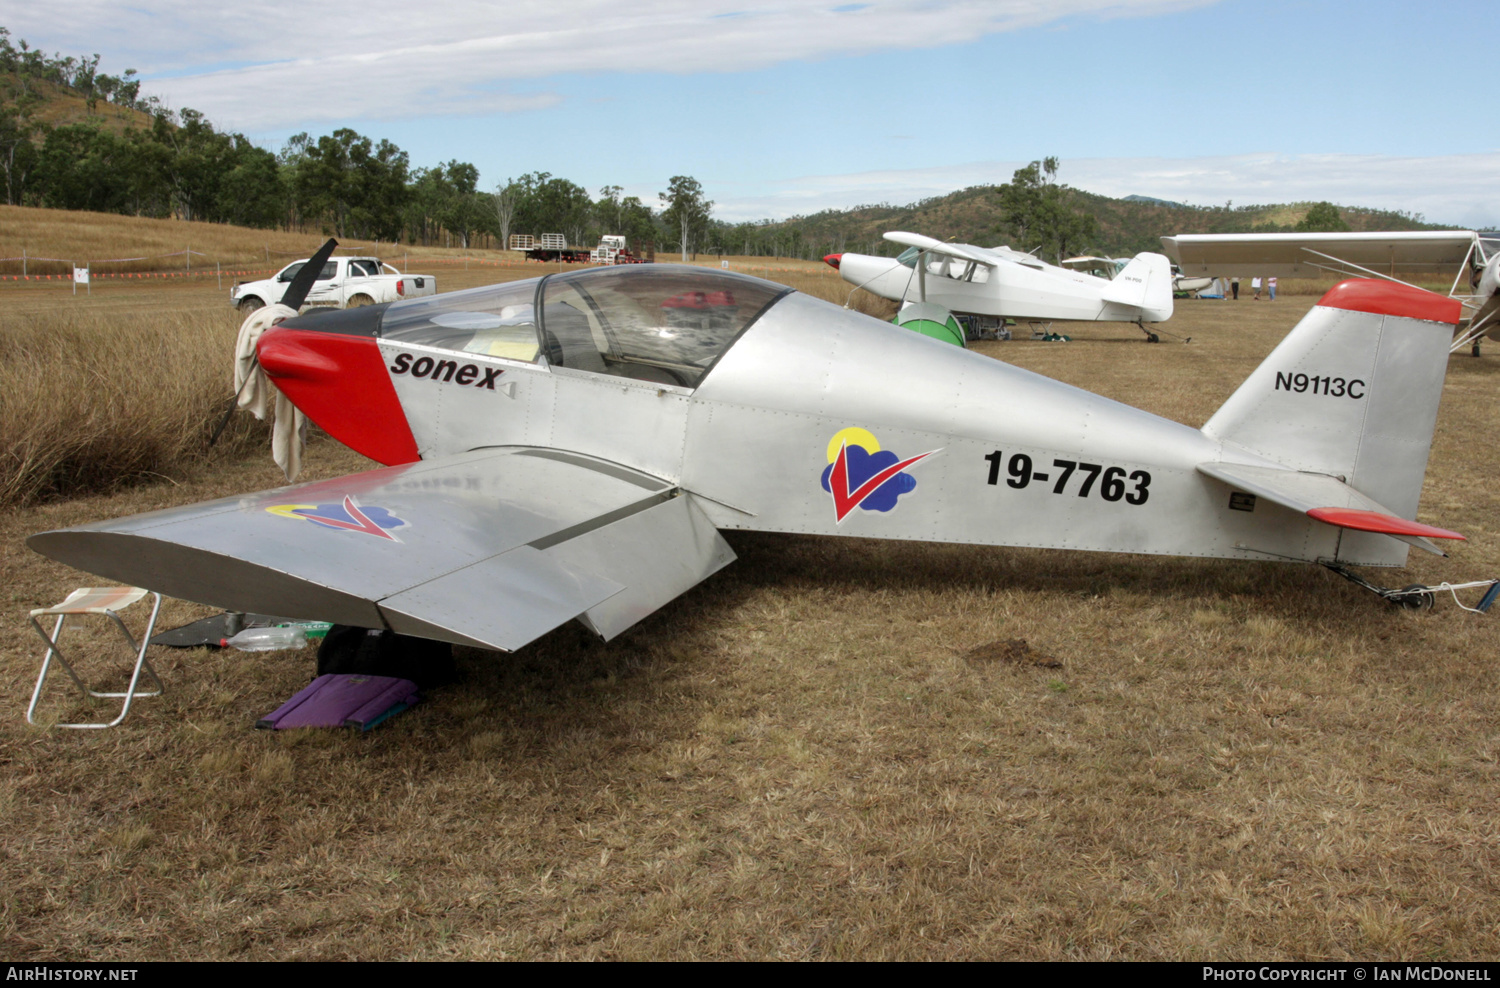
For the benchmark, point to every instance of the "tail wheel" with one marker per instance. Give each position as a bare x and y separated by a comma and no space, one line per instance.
359,300
250,304
1416,601
1152,338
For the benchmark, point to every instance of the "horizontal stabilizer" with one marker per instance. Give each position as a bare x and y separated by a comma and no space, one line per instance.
1326,499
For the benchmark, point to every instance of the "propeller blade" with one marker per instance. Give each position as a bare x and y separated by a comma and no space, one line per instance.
296,293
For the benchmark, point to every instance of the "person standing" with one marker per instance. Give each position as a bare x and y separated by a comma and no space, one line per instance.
1255,284
1271,284
1234,286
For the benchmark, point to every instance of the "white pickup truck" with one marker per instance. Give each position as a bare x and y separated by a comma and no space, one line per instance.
344,281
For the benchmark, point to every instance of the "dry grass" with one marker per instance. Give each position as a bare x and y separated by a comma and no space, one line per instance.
833,749
69,236
72,235
92,397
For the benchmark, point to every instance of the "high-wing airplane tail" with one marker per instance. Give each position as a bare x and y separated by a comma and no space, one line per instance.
1145,284
1351,393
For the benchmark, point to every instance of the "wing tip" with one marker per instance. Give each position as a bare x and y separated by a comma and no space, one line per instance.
1374,521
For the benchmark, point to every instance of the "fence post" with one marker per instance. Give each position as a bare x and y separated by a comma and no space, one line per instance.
23,261
219,270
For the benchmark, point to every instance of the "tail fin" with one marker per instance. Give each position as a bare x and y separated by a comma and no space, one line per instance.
1146,284
1352,392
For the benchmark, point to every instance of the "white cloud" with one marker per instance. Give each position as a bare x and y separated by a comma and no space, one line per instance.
253,66
1457,189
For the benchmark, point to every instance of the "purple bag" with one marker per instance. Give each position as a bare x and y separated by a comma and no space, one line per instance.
343,700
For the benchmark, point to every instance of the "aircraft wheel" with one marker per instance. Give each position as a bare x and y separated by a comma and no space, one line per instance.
1152,338
359,300
250,304
1416,601
380,652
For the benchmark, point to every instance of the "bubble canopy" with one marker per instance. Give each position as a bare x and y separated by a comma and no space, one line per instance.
664,323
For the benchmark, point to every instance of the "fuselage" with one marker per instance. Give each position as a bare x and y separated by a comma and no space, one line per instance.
1021,287
807,404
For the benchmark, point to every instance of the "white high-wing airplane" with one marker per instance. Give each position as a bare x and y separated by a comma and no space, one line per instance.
569,447
1002,283
1472,261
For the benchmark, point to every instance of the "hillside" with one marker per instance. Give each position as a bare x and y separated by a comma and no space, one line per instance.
57,105
1125,226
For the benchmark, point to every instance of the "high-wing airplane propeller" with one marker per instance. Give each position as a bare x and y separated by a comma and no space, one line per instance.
1000,283
570,446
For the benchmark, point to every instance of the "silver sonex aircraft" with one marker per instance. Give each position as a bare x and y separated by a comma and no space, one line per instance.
570,446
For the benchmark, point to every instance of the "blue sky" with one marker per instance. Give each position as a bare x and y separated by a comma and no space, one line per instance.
780,108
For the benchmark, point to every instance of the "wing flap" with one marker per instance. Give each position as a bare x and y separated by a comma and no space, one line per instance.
659,554
501,602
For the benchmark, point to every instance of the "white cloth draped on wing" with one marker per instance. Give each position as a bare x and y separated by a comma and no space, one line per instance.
261,398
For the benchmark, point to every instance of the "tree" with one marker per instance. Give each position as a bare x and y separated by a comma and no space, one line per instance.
1322,218
18,152
637,224
506,197
447,196
687,210
359,186
607,209
1037,212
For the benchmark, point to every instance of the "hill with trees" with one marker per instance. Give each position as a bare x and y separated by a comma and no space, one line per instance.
1033,212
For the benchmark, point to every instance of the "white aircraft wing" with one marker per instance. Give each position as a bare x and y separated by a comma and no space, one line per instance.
962,251
1310,255
491,548
1102,266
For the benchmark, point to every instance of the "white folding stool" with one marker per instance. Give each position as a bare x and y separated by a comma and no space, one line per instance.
105,601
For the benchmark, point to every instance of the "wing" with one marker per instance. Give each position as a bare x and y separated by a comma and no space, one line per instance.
1102,267
1327,499
961,251
1311,255
492,548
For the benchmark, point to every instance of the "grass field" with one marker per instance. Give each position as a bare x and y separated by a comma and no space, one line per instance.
833,749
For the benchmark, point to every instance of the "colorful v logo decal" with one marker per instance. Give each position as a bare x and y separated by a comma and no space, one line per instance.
846,500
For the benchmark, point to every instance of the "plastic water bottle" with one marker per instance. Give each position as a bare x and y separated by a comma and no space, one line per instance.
265,639
311,629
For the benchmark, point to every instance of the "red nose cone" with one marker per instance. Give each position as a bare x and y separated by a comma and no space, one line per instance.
832,260
341,383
